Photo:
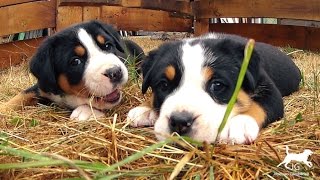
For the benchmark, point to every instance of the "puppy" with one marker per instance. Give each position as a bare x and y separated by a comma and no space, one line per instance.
79,67
192,81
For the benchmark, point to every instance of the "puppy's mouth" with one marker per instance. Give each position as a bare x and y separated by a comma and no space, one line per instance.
113,97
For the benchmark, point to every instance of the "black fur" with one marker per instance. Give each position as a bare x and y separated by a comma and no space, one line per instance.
271,73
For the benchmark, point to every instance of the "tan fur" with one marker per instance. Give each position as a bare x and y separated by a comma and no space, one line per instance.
101,39
80,50
207,73
79,89
170,72
245,105
19,101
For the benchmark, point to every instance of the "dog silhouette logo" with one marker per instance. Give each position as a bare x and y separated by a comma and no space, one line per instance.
301,157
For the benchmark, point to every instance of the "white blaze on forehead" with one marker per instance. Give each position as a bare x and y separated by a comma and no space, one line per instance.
87,41
192,60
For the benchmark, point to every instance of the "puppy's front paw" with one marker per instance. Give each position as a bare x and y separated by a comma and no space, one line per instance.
241,129
84,112
141,116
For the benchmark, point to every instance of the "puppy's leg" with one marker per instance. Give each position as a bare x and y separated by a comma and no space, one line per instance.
251,114
245,124
84,112
143,115
29,97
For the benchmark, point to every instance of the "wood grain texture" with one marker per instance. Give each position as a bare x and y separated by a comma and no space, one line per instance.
16,52
91,13
143,19
14,2
201,26
182,6
293,9
89,2
279,35
27,16
68,15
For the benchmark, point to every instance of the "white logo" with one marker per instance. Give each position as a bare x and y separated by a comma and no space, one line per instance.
301,157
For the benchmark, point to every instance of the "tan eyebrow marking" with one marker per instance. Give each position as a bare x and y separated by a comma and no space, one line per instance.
79,50
101,39
170,72
207,73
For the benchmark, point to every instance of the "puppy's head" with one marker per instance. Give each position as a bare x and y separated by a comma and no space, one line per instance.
85,60
192,81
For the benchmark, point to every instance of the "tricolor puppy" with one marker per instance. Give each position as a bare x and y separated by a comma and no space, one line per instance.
80,66
193,80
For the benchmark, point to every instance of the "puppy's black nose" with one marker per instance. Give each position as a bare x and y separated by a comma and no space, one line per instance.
181,122
114,74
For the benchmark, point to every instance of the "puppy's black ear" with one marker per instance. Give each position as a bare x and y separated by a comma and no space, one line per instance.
253,72
147,68
237,48
42,67
114,34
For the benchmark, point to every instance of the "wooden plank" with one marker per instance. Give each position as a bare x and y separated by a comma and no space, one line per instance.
279,35
27,17
91,12
293,9
201,26
89,2
68,15
181,6
16,52
13,2
134,19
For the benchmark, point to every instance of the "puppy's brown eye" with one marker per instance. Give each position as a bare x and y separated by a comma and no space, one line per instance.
163,86
108,46
217,86
75,62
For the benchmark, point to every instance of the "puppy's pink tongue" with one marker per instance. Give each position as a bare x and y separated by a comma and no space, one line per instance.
112,97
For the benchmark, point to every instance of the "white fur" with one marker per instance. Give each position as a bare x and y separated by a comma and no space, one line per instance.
240,129
97,64
211,35
84,112
301,157
141,116
191,96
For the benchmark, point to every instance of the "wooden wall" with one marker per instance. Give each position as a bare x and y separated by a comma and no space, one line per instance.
280,35
131,15
21,16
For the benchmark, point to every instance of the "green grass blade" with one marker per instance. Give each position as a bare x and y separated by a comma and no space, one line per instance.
246,59
44,161
137,155
23,153
31,164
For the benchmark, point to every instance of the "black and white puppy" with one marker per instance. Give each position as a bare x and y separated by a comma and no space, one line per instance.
192,81
80,66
